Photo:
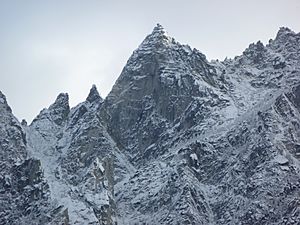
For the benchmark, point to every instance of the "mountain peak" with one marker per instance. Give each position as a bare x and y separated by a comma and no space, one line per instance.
159,32
283,33
177,140
3,102
2,98
60,109
61,100
93,95
159,29
157,38
285,30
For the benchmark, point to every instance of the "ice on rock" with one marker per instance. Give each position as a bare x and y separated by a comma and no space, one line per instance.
194,156
2,98
158,37
178,140
93,95
283,32
280,159
62,100
58,111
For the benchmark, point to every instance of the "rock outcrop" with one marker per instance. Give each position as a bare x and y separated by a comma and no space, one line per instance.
178,140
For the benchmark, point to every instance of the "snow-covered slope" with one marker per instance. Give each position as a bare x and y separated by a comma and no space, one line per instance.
24,191
178,140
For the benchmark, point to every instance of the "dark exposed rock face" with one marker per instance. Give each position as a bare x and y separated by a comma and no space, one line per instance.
179,140
93,95
60,109
161,80
57,112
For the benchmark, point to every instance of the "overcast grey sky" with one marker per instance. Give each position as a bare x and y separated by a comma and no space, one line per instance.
53,46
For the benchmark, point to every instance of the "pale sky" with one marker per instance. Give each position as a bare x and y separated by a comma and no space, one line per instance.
53,46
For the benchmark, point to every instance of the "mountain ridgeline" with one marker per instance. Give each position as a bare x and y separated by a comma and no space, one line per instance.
178,140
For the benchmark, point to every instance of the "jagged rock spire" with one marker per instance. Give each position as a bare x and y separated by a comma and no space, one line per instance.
2,98
159,33
3,102
62,100
60,109
284,33
159,29
158,37
93,95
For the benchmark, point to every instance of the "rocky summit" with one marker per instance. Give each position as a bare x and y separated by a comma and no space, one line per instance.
178,140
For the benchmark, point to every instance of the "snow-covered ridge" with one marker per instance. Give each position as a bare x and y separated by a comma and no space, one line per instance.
179,140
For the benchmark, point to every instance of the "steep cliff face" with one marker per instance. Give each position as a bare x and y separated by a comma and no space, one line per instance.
178,140
24,192
162,82
223,155
77,155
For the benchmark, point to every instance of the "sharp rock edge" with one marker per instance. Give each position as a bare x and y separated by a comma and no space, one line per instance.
178,140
